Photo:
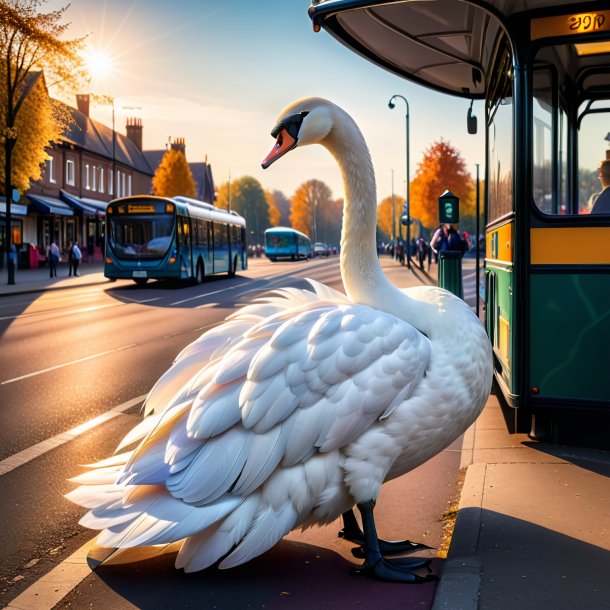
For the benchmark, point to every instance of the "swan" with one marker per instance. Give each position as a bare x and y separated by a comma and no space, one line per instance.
300,405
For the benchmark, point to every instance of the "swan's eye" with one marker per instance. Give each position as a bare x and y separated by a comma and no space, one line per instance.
280,141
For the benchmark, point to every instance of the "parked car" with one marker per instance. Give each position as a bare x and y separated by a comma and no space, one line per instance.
320,249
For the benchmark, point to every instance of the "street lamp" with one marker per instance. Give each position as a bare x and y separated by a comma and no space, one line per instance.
392,105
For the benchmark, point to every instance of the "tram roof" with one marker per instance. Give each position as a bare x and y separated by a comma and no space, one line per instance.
443,44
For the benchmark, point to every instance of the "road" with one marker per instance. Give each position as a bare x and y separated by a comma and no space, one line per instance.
81,361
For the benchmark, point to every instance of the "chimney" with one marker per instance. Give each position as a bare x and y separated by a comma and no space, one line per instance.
178,144
82,103
134,131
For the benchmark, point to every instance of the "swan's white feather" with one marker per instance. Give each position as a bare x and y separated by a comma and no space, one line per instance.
299,405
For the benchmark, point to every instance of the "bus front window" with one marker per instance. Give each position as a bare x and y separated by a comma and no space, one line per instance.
141,237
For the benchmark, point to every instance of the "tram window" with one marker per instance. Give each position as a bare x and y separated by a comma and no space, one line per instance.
500,135
592,149
501,160
543,141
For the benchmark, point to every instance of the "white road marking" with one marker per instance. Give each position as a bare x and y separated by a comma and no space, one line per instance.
59,366
207,294
207,305
25,456
49,590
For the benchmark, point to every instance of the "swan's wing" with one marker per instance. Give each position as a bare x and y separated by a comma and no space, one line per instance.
330,374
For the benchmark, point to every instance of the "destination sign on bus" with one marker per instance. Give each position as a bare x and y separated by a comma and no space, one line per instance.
568,25
140,209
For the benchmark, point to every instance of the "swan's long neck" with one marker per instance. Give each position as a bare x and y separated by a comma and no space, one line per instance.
363,278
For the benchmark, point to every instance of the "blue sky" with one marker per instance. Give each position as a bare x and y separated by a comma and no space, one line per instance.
218,74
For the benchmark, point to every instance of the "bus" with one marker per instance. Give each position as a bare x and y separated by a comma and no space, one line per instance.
286,243
541,70
172,238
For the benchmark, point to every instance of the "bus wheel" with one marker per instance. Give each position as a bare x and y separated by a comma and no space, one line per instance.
199,274
141,281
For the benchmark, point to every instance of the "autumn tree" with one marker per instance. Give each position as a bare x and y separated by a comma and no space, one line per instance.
330,217
30,41
441,169
282,203
384,215
248,200
173,176
275,215
306,209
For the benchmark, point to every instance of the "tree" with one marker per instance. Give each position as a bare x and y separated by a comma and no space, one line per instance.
275,215
442,168
30,41
282,203
247,199
173,176
310,198
40,122
384,215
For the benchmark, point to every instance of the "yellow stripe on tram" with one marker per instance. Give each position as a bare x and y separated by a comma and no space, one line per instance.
570,246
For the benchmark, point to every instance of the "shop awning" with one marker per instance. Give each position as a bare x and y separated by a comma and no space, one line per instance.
50,205
16,209
84,205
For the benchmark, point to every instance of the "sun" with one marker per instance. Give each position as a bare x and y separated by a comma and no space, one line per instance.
98,62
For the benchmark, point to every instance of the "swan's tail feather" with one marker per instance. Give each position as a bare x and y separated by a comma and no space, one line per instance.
202,550
270,526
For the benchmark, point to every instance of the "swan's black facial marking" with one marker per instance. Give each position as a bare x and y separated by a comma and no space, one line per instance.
286,133
291,124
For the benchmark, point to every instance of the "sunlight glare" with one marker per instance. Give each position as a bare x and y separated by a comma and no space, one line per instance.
98,62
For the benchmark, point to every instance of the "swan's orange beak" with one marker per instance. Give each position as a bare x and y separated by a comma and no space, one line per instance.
284,143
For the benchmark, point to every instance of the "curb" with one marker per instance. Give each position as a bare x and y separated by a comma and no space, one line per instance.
461,575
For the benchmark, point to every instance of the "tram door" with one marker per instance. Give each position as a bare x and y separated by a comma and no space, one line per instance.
500,229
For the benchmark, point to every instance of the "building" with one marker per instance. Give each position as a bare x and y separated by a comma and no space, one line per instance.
90,166
202,172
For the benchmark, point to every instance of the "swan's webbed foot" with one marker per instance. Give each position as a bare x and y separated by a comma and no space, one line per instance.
376,566
386,569
351,531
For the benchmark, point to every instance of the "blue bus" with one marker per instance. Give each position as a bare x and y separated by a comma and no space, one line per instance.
172,238
284,242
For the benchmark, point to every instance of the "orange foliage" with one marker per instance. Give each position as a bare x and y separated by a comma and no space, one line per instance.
442,168
274,212
311,196
384,215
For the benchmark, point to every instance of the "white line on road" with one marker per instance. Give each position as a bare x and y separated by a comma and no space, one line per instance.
59,366
25,456
49,590
207,294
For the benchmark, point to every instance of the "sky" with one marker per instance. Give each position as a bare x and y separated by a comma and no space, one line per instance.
218,73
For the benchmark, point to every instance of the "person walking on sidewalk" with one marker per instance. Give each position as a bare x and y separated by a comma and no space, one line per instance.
76,256
53,256
70,259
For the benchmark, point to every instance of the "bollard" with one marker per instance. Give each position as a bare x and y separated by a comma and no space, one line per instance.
450,272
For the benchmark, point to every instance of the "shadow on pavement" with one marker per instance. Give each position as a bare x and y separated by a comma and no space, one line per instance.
291,575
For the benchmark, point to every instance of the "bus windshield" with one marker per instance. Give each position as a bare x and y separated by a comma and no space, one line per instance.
280,240
141,237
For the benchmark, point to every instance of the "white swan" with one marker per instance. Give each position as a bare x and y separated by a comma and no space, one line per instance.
300,406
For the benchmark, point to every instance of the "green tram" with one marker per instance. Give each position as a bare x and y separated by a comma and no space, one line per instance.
543,71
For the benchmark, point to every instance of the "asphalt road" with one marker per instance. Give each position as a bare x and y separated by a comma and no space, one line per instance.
71,356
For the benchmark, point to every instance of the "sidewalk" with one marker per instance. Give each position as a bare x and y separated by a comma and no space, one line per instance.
533,527
38,280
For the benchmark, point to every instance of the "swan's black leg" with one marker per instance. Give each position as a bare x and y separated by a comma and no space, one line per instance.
375,565
351,531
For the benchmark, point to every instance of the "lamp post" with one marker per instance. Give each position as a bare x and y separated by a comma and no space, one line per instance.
392,105
393,220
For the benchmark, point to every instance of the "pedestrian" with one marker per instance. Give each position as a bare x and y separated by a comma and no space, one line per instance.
53,255
70,259
455,241
439,240
76,257
600,202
